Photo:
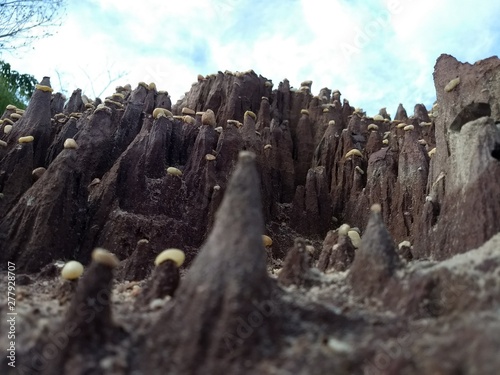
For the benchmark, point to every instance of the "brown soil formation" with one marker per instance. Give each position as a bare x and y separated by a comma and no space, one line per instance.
382,253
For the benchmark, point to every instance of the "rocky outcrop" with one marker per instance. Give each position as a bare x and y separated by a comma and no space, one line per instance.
466,161
228,95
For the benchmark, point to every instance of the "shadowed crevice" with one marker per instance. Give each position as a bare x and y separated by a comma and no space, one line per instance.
496,151
471,112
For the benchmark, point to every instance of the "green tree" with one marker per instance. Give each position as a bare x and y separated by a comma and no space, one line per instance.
23,21
15,88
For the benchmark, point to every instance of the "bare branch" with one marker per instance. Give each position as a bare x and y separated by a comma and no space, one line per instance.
26,20
111,80
61,86
91,81
107,75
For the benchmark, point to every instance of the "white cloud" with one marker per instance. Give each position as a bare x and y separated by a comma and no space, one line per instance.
378,53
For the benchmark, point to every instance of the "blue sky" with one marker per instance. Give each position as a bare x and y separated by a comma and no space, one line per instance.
378,53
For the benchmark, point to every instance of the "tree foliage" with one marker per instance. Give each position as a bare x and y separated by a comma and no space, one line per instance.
15,88
22,21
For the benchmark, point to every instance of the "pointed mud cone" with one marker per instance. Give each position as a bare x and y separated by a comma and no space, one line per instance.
347,111
343,253
149,100
304,148
374,143
282,164
189,135
401,114
338,251
327,148
69,130
297,214
326,251
75,103
68,281
230,143
264,116
251,140
138,265
36,122
16,176
354,125
163,100
129,127
296,266
410,187
224,311
165,278
206,141
88,328
158,143
376,260
316,180
93,294
176,146
138,95
382,173
215,201
57,104
420,113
